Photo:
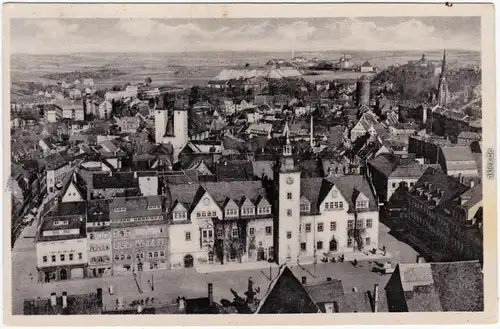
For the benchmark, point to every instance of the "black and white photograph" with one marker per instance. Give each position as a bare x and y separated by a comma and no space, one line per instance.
262,165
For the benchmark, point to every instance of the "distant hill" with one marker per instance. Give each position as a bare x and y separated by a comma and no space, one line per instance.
98,74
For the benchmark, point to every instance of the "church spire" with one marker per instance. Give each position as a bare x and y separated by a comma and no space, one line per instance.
443,94
287,148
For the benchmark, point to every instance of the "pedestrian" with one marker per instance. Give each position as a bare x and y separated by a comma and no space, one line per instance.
383,249
355,262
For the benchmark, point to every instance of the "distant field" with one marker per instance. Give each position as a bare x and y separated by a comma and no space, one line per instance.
187,69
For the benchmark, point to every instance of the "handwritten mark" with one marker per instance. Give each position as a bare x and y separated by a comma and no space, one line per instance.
448,4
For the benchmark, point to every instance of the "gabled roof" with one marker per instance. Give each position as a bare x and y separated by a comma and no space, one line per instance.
114,180
287,295
366,64
325,291
77,181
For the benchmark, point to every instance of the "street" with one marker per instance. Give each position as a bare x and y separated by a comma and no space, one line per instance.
170,284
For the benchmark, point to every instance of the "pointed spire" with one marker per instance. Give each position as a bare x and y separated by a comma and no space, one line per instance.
443,65
287,149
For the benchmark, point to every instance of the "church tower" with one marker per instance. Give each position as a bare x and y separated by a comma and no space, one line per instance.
443,94
171,126
287,214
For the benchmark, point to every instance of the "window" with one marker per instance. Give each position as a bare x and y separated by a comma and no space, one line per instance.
359,224
122,257
361,204
117,257
92,237
349,242
412,183
198,215
62,258
155,254
70,256
210,256
203,214
188,236
162,254
235,232
350,223
333,226
289,234
220,233
393,185
269,230
129,256
231,212
302,246
319,245
368,241
248,211
264,210
289,196
120,209
80,255
232,254
150,254
289,212
337,205
320,227
251,231
308,227
44,259
369,223
305,207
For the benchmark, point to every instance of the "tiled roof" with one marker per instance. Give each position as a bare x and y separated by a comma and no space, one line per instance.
234,171
448,287
135,206
359,302
79,184
457,153
77,304
263,167
114,180
433,180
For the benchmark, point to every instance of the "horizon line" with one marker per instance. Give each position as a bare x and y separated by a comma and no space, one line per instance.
242,51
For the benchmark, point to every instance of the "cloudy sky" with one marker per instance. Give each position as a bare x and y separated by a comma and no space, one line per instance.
55,36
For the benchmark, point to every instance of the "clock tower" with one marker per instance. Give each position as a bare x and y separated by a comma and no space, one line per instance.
287,214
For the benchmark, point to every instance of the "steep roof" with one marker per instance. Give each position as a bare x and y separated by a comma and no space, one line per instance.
287,295
114,180
78,182
457,153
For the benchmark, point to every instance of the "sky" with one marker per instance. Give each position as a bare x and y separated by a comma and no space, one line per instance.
60,36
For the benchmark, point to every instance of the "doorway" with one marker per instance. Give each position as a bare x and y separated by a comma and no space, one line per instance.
63,274
333,245
188,261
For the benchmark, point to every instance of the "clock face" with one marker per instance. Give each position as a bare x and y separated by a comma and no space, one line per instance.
289,180
206,201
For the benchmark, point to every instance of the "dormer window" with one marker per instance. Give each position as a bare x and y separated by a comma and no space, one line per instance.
179,215
263,210
362,204
60,222
153,207
231,212
247,211
119,209
305,207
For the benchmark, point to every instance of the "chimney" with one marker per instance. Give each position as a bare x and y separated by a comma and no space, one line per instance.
53,299
210,294
139,308
375,298
182,304
472,183
419,259
64,299
110,173
354,289
304,280
328,279
135,174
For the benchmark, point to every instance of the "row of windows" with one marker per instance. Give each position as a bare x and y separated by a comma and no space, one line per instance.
334,205
360,223
99,259
361,204
122,209
394,185
137,219
99,236
140,255
319,244
150,242
62,257
208,233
